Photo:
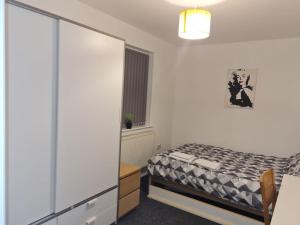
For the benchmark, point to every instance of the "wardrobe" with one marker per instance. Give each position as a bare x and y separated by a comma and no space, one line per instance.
64,98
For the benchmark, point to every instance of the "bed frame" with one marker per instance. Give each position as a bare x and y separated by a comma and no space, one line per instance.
205,197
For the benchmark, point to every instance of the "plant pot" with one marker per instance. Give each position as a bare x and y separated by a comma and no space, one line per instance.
128,124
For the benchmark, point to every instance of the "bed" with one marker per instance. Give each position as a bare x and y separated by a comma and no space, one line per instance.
235,183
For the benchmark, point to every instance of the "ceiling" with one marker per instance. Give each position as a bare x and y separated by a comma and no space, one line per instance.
232,20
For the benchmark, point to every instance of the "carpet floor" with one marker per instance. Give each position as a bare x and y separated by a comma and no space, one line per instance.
151,212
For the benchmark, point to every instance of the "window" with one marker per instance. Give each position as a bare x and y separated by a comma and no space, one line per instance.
136,83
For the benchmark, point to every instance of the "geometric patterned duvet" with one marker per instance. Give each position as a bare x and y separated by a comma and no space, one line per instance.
236,180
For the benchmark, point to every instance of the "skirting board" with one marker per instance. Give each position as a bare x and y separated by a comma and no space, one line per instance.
199,208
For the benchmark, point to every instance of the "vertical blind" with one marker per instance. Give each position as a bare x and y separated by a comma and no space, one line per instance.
135,85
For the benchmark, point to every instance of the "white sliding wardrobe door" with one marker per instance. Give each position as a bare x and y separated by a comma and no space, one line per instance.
31,71
89,113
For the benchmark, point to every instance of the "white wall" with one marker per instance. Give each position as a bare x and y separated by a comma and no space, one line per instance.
162,83
200,116
2,117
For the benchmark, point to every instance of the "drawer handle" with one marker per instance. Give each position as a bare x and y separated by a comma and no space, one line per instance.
91,221
92,203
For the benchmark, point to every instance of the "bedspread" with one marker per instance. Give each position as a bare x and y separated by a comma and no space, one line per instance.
237,178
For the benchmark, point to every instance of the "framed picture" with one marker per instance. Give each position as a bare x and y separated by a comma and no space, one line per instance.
240,88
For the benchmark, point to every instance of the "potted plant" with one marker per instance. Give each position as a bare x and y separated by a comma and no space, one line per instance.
128,120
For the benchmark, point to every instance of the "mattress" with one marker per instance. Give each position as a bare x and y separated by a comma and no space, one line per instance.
236,180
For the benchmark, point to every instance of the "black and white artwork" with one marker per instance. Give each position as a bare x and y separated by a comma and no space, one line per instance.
241,85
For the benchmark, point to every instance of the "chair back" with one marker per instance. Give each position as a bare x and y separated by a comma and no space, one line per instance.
268,191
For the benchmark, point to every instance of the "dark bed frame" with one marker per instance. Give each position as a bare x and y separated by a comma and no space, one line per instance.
205,197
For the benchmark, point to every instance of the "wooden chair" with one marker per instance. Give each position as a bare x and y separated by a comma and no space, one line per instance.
268,191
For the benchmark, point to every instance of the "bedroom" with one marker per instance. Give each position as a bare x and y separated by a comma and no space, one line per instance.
188,84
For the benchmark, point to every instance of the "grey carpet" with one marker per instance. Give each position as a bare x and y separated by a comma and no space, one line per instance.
151,212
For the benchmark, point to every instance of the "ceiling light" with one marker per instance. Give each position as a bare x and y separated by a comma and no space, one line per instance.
194,24
192,3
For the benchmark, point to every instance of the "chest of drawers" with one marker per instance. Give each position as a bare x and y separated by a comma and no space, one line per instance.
129,194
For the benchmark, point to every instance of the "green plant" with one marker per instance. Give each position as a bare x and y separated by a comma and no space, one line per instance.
128,117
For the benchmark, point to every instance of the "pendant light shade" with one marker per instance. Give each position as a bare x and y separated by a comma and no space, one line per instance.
194,24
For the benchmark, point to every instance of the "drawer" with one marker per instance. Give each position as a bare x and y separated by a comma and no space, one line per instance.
129,202
129,184
106,217
99,211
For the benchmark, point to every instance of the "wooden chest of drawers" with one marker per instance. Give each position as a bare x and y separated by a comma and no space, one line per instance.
129,194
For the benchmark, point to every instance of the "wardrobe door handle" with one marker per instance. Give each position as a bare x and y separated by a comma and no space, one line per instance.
91,221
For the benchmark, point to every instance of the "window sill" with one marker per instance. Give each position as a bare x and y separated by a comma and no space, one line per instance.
136,130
